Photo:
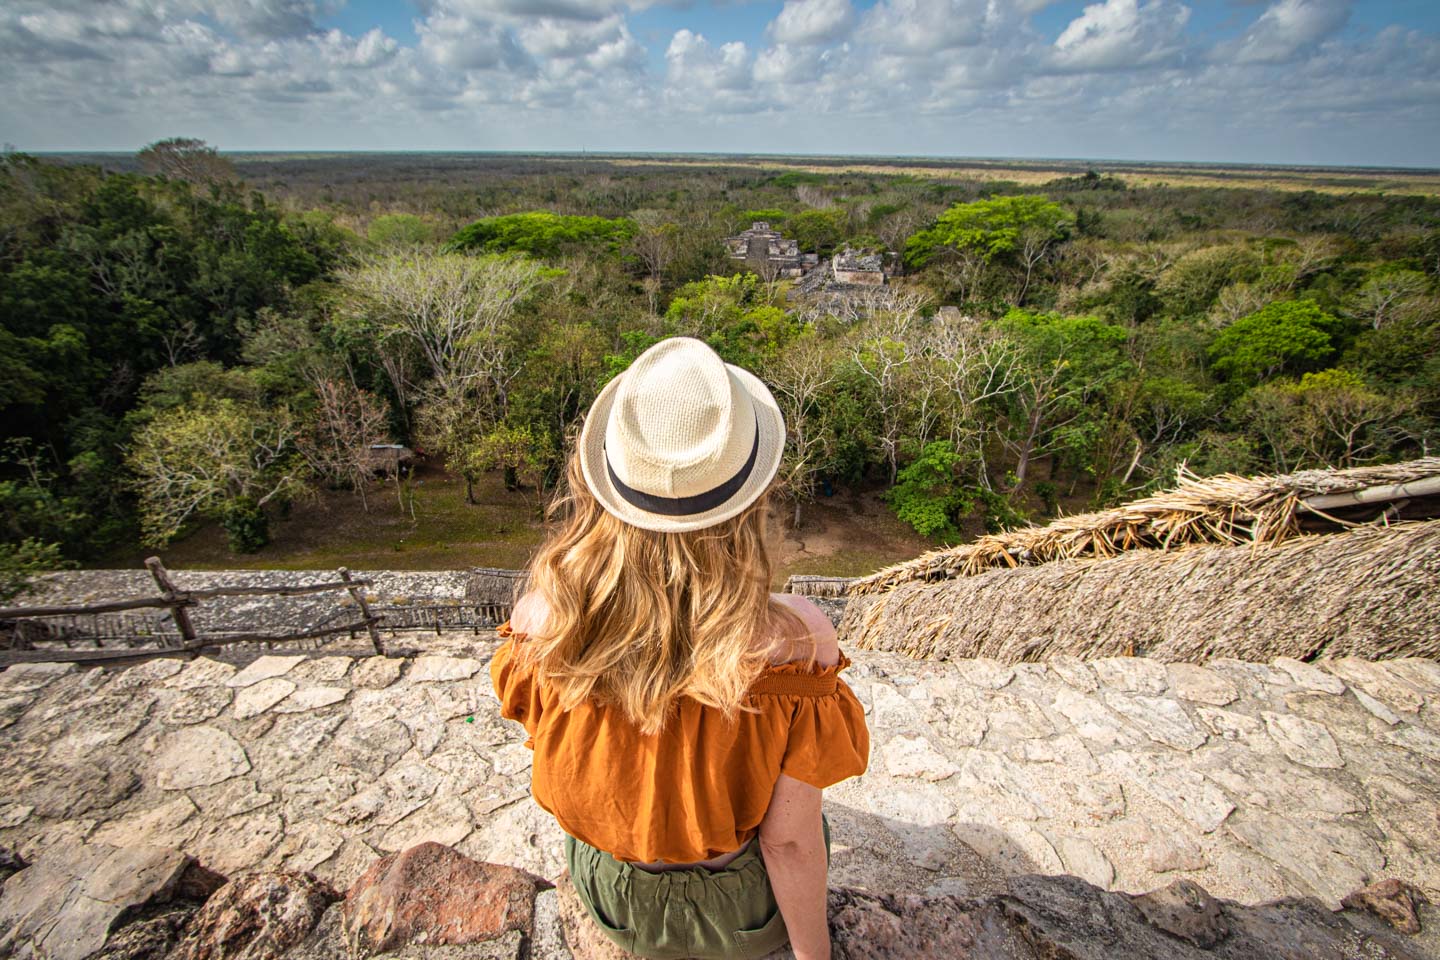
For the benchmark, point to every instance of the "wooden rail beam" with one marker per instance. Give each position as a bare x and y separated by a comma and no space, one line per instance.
84,609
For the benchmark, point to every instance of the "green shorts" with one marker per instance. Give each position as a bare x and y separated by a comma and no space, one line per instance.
730,912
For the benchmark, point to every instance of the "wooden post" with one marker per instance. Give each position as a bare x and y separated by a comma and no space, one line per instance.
359,596
168,591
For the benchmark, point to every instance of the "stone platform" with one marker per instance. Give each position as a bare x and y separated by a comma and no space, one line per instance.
1256,781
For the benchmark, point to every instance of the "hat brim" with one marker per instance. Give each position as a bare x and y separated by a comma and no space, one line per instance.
771,448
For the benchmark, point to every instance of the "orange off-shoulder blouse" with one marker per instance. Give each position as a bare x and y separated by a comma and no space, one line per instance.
700,787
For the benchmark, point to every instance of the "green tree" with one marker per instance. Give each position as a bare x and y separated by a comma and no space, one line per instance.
1291,337
21,562
1066,364
819,231
1327,419
542,234
215,459
400,230
1019,231
930,493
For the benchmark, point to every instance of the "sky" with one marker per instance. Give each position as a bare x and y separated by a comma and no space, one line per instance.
1341,82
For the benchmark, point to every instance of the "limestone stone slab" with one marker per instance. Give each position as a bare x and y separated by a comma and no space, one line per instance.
307,846
1256,780
255,698
1303,741
405,788
1065,750
1191,795
1075,672
1377,709
1014,848
1229,725
145,674
1253,679
238,844
376,673
1333,859
914,757
31,846
511,759
100,722
1168,851
62,906
312,797
1160,718
1085,860
994,783
1015,717
1377,681
12,708
1310,676
434,669
984,672
197,757
1132,674
1415,740
1423,673
197,705
28,677
1067,795
371,749
166,825
443,821
293,743
231,798
1197,684
203,672
264,668
891,708
1091,719
323,670
311,698
14,814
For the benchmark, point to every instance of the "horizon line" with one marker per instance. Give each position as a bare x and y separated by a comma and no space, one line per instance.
700,154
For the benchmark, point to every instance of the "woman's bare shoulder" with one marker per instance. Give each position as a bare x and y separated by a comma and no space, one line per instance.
529,613
817,629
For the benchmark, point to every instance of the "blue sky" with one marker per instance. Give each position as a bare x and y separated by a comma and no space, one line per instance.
1281,81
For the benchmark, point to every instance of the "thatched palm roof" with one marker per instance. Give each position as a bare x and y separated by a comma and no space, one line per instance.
1225,509
1371,592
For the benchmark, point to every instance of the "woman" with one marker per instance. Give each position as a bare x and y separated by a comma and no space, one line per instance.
684,719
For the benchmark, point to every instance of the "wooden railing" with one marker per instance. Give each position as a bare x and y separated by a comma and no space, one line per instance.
189,642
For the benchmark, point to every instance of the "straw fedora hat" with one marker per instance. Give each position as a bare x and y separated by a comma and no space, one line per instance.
681,440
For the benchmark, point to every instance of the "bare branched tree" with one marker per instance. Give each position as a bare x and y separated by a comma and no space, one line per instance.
185,158
346,421
458,311
799,375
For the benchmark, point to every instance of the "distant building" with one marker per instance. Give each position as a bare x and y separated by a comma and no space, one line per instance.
770,254
851,267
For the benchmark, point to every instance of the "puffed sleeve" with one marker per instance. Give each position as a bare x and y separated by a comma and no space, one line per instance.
514,685
828,740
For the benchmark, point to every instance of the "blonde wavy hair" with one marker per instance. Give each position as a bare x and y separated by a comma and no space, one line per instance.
639,618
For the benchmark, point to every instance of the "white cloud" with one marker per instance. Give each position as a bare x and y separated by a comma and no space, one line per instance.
910,27
267,19
699,77
1121,34
1286,29
805,22
463,43
1125,77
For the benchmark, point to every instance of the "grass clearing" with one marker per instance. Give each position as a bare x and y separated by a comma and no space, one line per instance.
850,534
